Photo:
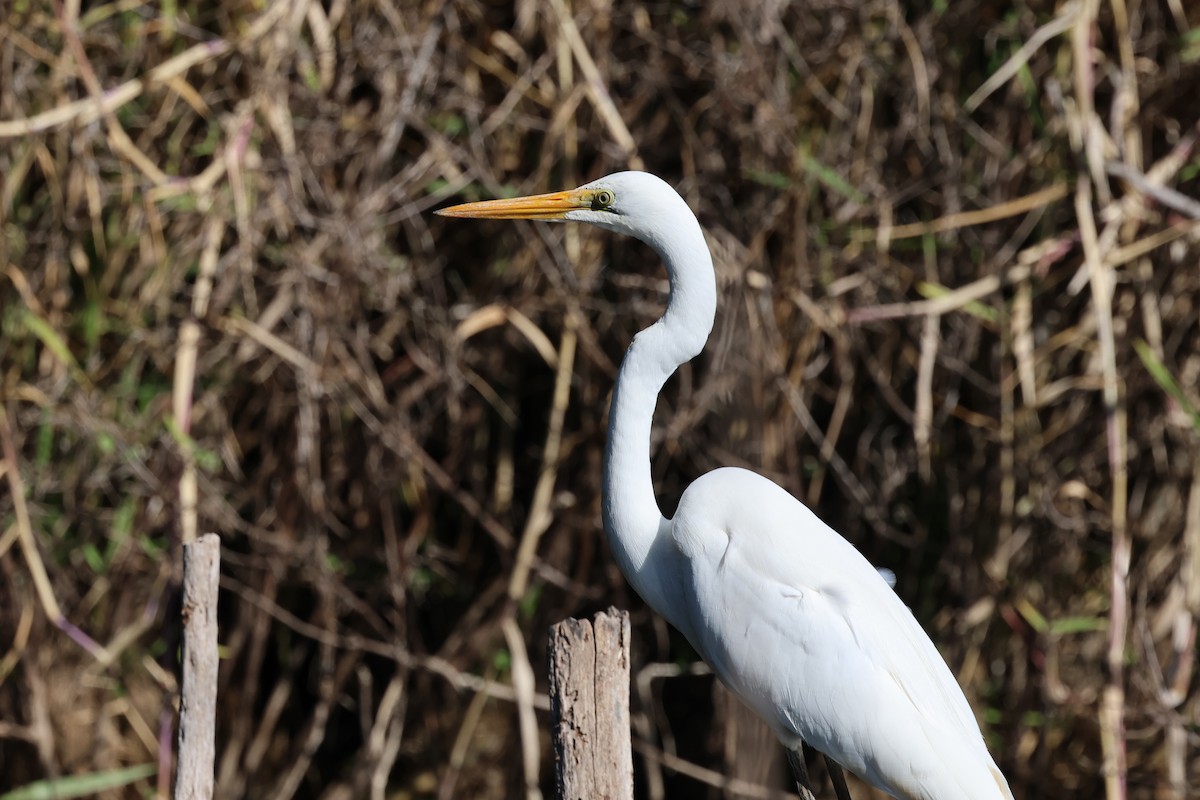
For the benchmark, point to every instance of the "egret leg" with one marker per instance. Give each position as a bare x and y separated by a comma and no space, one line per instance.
837,778
800,773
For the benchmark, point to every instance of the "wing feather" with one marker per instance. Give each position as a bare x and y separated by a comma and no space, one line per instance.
799,624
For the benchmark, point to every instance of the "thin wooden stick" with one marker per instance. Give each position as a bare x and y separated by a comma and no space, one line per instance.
1112,705
198,708
524,685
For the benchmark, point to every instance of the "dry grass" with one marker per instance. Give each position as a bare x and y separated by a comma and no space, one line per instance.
961,318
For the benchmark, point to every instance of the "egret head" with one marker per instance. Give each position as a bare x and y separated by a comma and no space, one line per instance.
633,203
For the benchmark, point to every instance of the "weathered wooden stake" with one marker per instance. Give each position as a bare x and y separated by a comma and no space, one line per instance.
198,706
589,700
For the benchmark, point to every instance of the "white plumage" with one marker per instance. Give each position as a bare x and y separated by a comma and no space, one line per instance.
787,613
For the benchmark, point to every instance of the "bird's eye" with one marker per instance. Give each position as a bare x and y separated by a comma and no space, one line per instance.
601,200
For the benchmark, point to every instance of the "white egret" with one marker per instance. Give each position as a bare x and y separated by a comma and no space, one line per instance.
787,613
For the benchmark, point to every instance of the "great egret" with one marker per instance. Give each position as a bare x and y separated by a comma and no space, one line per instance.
787,613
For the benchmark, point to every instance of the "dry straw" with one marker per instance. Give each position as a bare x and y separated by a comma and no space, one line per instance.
957,256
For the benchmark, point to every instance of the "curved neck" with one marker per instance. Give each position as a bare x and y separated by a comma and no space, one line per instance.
632,518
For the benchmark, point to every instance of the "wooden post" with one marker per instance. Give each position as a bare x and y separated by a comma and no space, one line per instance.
198,707
589,701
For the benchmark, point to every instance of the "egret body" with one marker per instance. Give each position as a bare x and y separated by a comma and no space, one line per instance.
787,613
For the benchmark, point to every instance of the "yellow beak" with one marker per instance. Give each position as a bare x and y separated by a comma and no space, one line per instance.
539,206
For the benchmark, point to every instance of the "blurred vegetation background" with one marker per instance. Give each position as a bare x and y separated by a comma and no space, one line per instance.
957,246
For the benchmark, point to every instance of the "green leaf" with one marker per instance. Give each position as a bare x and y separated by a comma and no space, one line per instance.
529,602
1078,625
122,524
1165,380
45,443
50,338
122,528
776,180
1033,719
151,548
81,785
975,308
94,560
212,140
1189,46
832,180
312,78
450,124
94,325
1031,615
336,565
177,432
206,460
1189,170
